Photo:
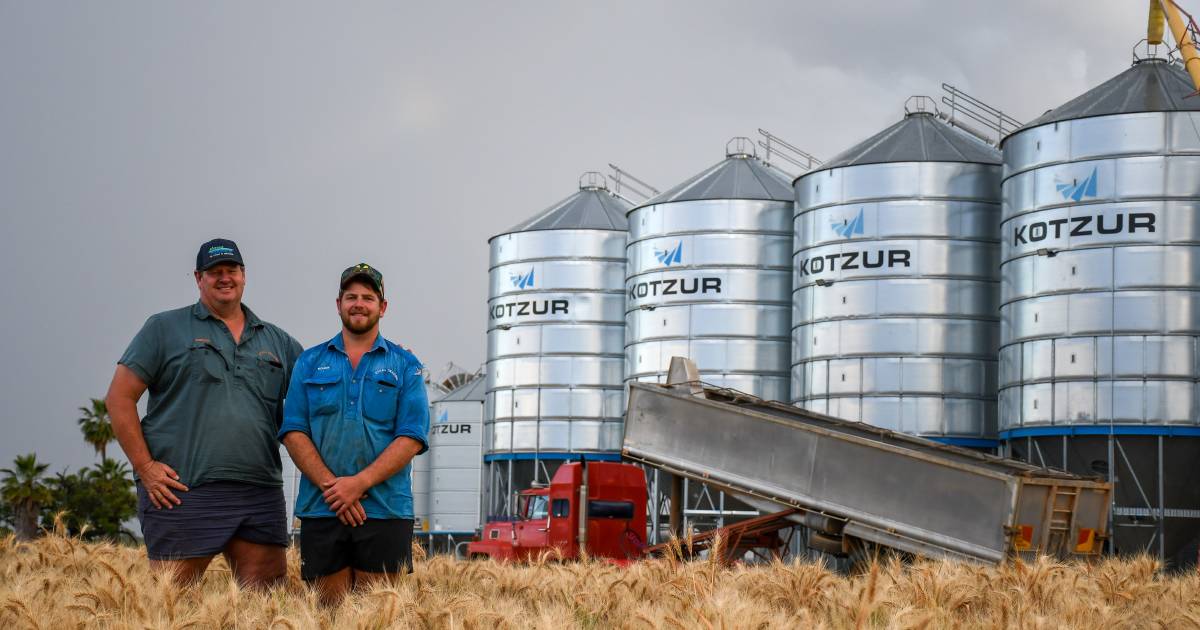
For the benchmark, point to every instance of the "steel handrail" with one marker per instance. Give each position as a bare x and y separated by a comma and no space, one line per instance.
978,111
802,159
619,173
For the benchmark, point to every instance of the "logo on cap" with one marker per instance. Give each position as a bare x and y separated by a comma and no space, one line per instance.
216,251
363,269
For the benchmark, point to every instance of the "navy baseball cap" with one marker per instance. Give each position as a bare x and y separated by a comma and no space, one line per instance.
217,251
366,272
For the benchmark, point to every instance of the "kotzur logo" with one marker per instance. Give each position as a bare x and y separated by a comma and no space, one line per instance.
1076,190
671,256
522,280
858,261
847,229
443,426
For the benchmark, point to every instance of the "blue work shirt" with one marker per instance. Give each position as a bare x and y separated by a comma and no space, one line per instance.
352,415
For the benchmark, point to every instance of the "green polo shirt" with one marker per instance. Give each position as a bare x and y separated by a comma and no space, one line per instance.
215,406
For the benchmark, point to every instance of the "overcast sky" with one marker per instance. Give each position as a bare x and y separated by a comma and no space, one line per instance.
320,134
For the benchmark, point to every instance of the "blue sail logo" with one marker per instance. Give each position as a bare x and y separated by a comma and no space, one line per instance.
1077,190
522,280
671,256
443,417
848,229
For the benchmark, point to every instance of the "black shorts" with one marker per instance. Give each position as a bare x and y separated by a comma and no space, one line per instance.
209,516
381,545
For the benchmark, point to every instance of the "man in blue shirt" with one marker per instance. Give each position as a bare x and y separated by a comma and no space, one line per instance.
355,416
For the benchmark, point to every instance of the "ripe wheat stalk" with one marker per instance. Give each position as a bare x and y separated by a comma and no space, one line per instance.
58,582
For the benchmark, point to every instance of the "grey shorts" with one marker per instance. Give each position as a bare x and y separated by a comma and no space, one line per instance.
211,515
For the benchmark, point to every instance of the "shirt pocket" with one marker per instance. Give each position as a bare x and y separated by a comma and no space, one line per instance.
324,393
205,363
268,375
380,393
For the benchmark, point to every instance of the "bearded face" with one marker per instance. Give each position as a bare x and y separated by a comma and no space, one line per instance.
360,308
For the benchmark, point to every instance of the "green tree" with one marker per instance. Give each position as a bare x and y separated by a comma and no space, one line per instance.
68,498
25,493
6,520
94,502
97,427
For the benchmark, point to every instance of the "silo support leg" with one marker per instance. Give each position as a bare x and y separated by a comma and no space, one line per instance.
677,500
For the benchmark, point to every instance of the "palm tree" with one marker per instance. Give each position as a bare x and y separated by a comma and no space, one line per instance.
115,501
25,492
112,471
97,427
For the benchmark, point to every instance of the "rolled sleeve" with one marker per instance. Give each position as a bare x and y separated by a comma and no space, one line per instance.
291,357
295,405
412,418
144,356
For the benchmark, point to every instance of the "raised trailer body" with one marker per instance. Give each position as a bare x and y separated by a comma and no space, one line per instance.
854,481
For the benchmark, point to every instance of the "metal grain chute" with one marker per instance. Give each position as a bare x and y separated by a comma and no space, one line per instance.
862,482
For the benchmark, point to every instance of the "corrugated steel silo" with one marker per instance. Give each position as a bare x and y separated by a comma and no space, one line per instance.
455,460
291,488
420,471
420,492
896,282
709,277
1100,315
555,334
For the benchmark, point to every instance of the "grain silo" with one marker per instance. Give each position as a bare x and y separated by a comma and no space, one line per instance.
455,458
896,283
420,492
710,277
555,334
291,489
1100,314
420,470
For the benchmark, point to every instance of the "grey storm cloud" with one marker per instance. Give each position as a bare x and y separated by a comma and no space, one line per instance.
318,135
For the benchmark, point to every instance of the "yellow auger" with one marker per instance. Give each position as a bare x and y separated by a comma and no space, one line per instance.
1169,12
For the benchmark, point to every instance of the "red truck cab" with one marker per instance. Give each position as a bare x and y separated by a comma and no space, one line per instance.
548,519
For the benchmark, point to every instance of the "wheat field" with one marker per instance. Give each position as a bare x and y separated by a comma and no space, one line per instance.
59,582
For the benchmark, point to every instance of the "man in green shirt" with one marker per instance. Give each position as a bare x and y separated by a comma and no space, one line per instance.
205,456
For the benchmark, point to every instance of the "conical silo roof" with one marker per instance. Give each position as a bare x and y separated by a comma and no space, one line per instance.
472,391
739,176
919,137
1149,85
594,207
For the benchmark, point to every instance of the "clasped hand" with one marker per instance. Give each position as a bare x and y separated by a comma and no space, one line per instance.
343,495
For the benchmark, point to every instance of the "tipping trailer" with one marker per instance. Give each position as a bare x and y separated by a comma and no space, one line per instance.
850,482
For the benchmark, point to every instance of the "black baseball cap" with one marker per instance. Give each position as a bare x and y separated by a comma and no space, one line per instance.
217,251
365,271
